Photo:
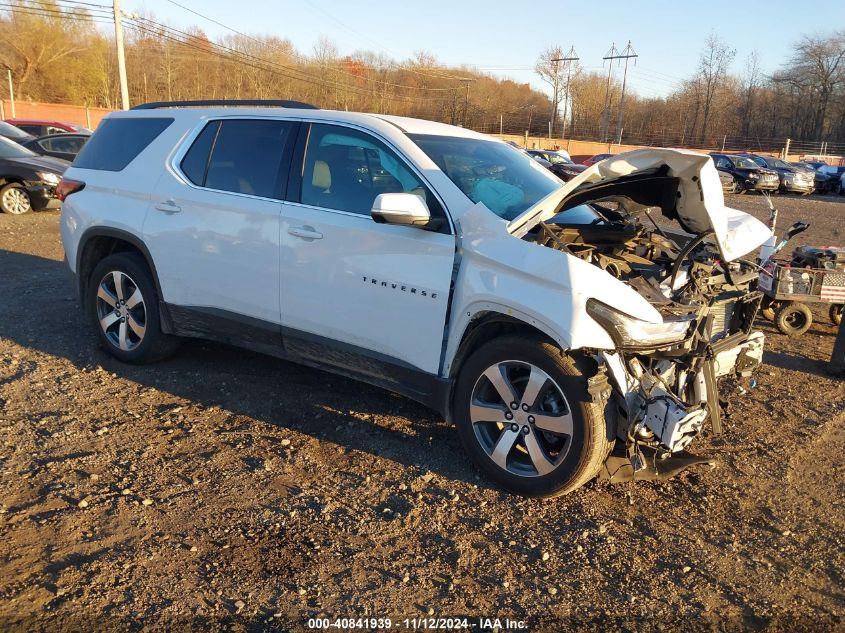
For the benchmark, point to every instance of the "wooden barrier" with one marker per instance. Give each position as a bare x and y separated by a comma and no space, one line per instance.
78,115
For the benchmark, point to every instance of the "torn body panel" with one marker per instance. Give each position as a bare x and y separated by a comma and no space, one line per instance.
667,310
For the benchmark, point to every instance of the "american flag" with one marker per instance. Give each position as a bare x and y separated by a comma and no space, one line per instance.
833,288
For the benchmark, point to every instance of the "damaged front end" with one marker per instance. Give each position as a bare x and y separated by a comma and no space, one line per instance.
665,375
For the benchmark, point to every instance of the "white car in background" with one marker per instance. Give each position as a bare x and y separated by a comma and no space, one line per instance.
551,323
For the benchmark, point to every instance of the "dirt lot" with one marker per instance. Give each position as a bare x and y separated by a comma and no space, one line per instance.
223,489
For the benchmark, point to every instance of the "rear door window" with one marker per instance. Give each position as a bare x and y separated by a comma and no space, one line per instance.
248,156
65,143
117,142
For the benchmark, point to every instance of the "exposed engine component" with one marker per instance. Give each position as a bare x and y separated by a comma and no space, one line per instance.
674,425
685,278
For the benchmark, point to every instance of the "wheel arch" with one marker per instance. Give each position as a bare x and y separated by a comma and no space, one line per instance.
485,326
7,180
489,324
98,243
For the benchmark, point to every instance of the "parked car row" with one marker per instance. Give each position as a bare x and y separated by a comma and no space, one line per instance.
33,156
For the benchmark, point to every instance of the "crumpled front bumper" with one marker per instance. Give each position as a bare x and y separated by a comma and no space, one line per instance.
42,196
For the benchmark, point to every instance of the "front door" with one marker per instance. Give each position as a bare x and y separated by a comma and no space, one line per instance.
352,288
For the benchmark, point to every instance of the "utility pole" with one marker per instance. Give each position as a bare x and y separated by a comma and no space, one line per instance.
11,90
571,56
555,93
466,83
627,54
612,54
121,56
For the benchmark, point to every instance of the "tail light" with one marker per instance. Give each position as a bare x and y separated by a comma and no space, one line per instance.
67,187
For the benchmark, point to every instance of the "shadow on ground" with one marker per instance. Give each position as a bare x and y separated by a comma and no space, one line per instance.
39,311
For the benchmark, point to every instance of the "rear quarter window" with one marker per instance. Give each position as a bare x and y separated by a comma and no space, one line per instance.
117,142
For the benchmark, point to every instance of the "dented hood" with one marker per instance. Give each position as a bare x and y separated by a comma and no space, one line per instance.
700,205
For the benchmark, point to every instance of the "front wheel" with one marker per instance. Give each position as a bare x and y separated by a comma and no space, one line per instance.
14,199
793,318
524,415
124,307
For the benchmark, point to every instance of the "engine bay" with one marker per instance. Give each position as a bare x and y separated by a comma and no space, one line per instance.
630,228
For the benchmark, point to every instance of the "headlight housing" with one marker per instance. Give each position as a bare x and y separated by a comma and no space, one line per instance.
49,177
632,333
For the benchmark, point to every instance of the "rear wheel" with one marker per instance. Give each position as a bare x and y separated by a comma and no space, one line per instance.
836,313
793,318
14,199
124,306
525,417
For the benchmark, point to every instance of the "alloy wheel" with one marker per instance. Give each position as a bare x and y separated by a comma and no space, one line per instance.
16,201
121,310
521,418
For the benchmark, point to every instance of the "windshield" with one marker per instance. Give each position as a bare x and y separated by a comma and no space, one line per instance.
10,131
744,163
778,163
505,180
10,149
557,159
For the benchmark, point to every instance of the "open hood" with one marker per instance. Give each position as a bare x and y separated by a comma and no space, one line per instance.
699,206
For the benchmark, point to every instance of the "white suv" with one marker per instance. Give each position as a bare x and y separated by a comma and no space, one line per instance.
549,322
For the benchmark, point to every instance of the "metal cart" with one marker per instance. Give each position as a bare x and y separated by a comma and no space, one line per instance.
788,289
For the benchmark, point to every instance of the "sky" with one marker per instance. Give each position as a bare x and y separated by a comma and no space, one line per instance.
506,38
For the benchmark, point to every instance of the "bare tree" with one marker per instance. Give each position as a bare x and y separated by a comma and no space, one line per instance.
751,79
712,70
818,66
551,70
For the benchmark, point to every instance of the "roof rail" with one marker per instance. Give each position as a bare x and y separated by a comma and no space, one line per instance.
265,103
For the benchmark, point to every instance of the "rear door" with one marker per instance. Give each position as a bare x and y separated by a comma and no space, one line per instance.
213,227
351,288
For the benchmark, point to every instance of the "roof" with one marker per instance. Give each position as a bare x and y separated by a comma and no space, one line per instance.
40,121
407,125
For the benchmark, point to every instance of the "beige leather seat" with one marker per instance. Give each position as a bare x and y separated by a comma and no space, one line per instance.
322,176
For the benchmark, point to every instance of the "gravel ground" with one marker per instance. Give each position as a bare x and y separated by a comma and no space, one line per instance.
224,489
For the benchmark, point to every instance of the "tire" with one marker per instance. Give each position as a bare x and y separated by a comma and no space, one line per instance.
835,313
793,318
739,189
768,308
14,199
513,447
130,331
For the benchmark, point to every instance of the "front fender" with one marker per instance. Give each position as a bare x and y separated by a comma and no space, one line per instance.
539,286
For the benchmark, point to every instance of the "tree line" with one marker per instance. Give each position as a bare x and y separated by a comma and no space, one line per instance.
63,52
803,100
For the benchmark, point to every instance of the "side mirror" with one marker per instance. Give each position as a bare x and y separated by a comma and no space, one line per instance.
400,208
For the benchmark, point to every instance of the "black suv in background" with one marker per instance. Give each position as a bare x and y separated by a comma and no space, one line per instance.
559,165
749,175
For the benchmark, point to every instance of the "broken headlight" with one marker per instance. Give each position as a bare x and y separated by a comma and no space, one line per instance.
630,332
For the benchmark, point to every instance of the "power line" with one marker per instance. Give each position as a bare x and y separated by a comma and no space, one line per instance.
253,61
44,13
254,39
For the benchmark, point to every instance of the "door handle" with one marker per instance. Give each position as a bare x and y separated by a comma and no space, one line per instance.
305,232
168,206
